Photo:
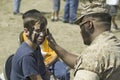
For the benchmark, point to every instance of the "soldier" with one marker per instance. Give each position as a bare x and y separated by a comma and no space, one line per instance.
101,59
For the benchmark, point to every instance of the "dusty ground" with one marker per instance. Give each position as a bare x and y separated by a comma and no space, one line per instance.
66,35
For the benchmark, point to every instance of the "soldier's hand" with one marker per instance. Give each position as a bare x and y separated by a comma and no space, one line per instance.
51,40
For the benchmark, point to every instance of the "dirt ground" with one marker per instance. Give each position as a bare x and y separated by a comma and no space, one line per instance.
67,35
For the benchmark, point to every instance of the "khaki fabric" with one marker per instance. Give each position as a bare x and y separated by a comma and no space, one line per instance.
86,8
101,57
81,75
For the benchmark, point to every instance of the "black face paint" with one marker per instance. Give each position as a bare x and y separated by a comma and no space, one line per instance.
31,32
35,38
42,26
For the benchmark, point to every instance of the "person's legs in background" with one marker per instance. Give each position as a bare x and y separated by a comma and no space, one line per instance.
56,9
16,7
113,12
73,10
114,22
66,12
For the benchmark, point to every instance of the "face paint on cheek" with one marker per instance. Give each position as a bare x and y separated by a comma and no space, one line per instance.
35,38
43,29
42,26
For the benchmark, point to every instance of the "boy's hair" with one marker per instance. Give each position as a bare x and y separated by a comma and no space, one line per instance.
31,17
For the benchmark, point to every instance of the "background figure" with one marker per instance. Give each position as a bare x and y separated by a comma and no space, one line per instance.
112,6
56,9
70,11
16,7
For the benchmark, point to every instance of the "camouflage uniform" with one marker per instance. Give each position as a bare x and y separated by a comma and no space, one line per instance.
100,59
96,4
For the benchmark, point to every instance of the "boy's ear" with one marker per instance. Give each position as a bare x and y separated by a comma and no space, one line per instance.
26,31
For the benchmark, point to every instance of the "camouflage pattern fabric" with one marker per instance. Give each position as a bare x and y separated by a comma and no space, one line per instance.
102,58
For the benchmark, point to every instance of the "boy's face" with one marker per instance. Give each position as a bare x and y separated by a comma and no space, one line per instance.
39,33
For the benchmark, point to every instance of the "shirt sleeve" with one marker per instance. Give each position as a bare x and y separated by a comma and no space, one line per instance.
90,60
86,75
29,66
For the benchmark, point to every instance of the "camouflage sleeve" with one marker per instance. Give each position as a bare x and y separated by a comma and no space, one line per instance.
86,75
